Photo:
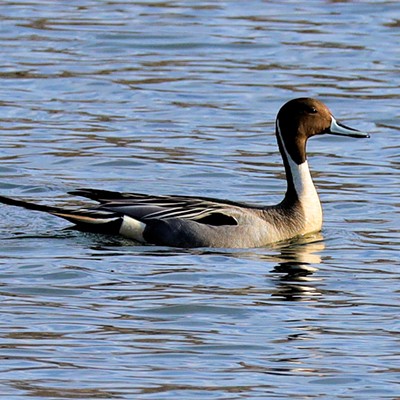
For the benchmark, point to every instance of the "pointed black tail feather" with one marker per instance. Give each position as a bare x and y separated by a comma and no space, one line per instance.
28,205
87,220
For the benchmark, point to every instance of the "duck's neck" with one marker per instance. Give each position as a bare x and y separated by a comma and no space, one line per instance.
301,192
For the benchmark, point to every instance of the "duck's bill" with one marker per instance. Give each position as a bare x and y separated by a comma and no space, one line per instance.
337,128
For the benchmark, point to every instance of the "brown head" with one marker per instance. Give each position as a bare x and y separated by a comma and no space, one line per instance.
299,119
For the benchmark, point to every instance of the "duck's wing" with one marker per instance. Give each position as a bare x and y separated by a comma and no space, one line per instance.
143,207
107,196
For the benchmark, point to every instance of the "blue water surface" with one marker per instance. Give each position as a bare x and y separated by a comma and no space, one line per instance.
180,97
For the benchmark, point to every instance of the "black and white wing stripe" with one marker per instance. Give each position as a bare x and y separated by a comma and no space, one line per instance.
145,207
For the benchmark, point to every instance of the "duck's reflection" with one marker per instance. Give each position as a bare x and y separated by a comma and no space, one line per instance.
292,276
296,266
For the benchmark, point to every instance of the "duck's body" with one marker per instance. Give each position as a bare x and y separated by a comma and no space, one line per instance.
183,221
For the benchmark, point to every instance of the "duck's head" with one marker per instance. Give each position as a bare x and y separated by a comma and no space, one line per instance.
299,119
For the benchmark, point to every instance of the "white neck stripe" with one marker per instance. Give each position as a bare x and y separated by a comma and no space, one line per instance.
301,176
305,190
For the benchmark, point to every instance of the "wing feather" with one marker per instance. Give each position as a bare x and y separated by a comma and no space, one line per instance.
143,206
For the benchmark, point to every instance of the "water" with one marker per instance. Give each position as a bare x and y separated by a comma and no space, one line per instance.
180,97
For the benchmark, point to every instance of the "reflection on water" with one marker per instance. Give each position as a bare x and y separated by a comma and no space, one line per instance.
299,262
180,97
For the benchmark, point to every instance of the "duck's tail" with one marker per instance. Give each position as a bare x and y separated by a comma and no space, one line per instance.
94,220
28,205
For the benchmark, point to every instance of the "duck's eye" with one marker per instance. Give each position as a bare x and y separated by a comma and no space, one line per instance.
308,109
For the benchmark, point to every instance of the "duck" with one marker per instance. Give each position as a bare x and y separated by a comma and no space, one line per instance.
190,222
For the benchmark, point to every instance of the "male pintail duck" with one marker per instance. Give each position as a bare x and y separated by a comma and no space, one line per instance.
185,221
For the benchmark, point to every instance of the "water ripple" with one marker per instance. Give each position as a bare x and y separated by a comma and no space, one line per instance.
180,97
